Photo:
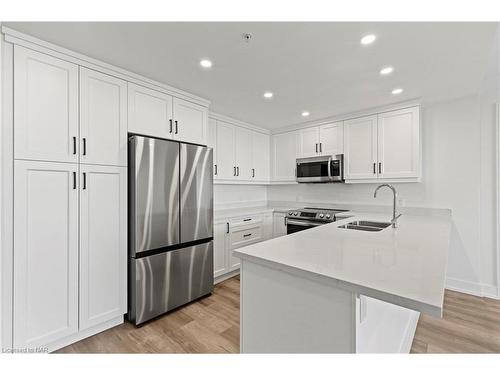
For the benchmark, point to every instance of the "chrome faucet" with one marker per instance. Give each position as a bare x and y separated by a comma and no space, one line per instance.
394,217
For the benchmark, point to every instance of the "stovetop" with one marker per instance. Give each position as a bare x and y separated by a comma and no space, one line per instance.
315,213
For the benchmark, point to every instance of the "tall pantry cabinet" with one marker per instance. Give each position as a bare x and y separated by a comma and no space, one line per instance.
70,191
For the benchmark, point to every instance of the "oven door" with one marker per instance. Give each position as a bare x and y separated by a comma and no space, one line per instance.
316,169
294,225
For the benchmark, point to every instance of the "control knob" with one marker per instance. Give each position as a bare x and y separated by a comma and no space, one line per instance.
327,216
295,213
321,216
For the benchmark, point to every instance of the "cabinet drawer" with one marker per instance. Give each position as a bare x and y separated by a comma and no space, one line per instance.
245,235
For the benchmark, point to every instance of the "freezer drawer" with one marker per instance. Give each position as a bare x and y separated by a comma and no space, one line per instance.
162,282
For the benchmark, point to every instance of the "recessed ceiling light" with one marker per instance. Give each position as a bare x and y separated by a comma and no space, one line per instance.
368,39
206,63
268,95
305,114
397,91
386,70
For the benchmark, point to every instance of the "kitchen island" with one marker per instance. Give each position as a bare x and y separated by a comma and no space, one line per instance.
336,290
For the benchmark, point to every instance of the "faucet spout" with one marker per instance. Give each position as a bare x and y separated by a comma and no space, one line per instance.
395,194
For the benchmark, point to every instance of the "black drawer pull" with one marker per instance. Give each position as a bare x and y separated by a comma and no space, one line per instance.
247,219
247,235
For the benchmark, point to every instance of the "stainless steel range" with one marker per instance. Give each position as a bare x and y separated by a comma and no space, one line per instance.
311,217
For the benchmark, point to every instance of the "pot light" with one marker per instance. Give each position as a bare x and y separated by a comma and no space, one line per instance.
268,95
305,114
386,70
368,39
397,91
206,63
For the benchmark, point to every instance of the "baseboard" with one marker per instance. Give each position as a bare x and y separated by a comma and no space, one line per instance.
475,289
85,333
221,278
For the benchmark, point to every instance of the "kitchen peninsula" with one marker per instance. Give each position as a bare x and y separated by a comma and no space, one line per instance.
338,290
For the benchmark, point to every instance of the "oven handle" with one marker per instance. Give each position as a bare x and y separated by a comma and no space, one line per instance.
303,223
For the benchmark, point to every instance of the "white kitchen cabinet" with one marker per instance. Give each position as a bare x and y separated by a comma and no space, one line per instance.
212,134
308,142
225,166
331,138
360,147
150,112
267,227
45,252
284,154
45,107
243,153
103,244
279,224
399,143
260,157
103,119
221,230
190,122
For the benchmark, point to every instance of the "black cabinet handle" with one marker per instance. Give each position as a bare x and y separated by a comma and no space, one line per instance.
215,169
84,180
176,127
374,170
253,172
237,171
170,126
320,147
74,145
227,227
74,180
84,146
247,235
249,219
234,171
316,148
379,167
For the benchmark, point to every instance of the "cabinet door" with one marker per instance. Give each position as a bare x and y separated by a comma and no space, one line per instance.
284,156
360,146
260,156
190,122
331,138
225,151
103,118
220,249
243,153
308,142
279,226
398,143
103,244
149,112
45,252
45,107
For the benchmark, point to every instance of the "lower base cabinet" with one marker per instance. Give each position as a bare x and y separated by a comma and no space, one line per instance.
235,233
69,249
279,224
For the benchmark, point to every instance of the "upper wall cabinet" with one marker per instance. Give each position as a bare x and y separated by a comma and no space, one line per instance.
284,153
149,112
46,107
384,146
190,122
240,154
326,139
103,119
157,114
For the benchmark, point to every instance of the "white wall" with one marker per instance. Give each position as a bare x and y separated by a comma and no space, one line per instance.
458,173
229,196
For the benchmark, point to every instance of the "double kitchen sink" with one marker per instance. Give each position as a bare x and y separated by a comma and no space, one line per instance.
368,226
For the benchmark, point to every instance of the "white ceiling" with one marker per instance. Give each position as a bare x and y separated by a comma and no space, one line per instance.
319,67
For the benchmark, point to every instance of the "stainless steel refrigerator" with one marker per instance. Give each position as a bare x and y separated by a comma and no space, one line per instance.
170,225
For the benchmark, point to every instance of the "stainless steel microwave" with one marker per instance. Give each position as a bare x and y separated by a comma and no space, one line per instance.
320,169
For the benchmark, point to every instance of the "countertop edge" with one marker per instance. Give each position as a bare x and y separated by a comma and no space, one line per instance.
426,308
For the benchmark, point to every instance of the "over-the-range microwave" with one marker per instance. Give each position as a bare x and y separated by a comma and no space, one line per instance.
321,169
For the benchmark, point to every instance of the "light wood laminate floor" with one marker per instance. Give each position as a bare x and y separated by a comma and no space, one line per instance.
211,325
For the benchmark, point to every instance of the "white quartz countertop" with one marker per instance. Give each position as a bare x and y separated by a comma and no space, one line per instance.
405,266
246,211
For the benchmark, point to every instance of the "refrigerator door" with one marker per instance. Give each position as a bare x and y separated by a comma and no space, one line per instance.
153,194
196,176
164,281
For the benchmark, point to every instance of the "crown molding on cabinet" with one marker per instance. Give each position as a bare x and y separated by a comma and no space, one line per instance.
31,42
349,116
224,118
